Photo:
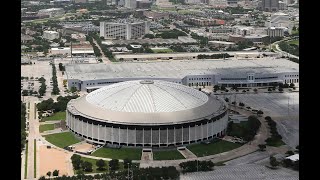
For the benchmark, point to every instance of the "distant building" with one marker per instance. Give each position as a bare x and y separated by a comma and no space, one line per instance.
50,35
164,3
125,30
219,44
275,32
80,1
269,5
52,12
143,4
155,15
132,4
218,3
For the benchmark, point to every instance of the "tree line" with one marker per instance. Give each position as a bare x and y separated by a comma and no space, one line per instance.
214,56
55,89
248,131
60,105
275,136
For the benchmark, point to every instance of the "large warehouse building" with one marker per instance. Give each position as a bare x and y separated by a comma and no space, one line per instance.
147,113
243,73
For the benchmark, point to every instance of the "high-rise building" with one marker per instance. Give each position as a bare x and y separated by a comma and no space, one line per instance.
132,4
269,5
124,30
275,32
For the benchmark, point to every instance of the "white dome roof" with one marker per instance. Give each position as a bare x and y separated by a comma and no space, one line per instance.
147,96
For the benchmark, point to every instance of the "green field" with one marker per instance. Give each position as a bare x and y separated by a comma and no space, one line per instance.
56,116
26,162
62,139
296,42
35,159
220,146
123,153
46,127
162,50
167,155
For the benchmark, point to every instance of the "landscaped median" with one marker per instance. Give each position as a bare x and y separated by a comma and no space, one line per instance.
217,147
35,159
26,162
122,153
62,139
167,155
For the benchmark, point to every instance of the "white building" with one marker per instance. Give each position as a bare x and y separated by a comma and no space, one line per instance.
270,5
193,1
50,35
125,30
243,30
246,72
164,3
221,44
218,3
52,12
275,32
132,4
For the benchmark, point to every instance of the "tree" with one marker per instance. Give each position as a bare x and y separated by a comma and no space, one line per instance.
25,93
241,104
101,164
87,166
73,89
287,163
76,161
226,99
262,147
55,173
42,178
273,161
269,89
255,90
260,112
49,173
291,85
294,28
280,89
290,153
127,162
114,164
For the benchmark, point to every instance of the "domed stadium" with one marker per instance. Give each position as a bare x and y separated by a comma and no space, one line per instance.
147,113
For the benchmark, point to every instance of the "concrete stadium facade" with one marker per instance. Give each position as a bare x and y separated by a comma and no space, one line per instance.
147,113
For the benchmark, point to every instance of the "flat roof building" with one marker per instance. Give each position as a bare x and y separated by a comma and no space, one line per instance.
50,35
124,30
228,72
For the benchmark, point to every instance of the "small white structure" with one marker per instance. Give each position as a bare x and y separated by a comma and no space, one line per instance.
52,12
294,157
50,35
221,44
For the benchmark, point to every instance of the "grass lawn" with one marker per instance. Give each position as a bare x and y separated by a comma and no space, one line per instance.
167,155
62,139
274,142
46,127
130,153
296,42
238,129
35,159
26,162
56,116
220,146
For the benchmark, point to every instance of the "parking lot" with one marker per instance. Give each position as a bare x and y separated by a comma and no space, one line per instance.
281,107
